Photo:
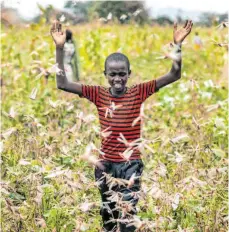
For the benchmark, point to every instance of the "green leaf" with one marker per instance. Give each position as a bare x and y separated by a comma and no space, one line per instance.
219,152
17,196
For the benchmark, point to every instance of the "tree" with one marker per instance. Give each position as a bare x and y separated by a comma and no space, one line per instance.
46,11
209,19
163,20
80,8
134,10
124,11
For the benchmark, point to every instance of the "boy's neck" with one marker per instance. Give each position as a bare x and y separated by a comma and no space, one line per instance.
115,94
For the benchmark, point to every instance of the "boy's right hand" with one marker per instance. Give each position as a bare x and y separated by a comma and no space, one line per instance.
57,34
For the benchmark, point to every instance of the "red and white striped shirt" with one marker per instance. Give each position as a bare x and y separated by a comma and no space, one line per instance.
117,114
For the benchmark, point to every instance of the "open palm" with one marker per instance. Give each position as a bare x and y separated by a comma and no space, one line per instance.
180,34
58,35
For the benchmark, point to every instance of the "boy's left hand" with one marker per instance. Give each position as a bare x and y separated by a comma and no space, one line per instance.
180,34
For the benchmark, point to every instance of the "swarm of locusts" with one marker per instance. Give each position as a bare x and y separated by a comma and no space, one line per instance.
50,140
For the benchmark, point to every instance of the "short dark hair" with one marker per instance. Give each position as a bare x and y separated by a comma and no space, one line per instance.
117,56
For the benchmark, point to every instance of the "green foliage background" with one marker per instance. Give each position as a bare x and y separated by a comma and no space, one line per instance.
196,105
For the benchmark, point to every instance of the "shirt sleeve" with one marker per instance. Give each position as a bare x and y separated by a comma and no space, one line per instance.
91,92
146,89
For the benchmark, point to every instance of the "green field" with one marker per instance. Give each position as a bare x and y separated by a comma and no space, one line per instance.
45,185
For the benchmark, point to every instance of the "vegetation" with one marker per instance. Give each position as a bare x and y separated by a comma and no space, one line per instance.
46,186
122,11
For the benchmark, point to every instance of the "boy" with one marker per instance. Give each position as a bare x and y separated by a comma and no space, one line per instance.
118,107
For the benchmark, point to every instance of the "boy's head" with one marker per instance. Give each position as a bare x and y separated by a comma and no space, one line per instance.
117,71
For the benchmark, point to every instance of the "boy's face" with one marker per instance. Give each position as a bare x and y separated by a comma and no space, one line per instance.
117,74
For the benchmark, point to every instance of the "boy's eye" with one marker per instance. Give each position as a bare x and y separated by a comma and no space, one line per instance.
112,74
122,74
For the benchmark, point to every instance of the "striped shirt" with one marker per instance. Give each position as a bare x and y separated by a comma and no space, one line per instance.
116,116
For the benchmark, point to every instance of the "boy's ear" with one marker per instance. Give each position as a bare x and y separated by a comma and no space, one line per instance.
104,72
129,72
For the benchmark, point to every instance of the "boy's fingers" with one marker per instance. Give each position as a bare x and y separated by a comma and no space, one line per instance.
54,26
59,27
51,31
175,26
189,26
186,22
186,25
189,30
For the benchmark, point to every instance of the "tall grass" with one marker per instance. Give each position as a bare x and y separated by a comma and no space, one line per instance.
44,181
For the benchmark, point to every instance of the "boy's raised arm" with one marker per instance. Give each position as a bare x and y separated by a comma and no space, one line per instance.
175,72
59,38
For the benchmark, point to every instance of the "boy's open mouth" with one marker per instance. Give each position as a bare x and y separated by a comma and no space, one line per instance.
118,85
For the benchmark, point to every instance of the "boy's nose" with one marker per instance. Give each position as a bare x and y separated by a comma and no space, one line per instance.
117,78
